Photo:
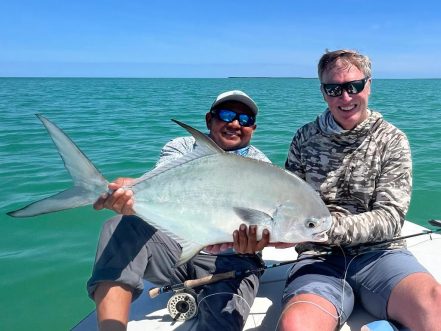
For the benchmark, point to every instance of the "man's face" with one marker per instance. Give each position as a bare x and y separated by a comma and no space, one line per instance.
230,136
348,110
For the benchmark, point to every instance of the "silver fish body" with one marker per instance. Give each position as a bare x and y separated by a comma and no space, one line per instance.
201,198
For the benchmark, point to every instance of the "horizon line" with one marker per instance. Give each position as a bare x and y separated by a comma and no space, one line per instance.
227,77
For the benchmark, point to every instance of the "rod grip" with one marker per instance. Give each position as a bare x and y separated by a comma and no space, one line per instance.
209,279
154,292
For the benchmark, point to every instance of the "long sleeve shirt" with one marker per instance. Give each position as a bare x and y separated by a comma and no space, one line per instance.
363,175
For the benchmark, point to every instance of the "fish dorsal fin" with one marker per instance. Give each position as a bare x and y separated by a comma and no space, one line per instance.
201,139
205,147
253,216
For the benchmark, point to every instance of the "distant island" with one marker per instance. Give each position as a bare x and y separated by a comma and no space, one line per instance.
272,77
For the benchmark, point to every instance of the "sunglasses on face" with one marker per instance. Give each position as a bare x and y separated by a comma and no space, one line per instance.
228,116
353,87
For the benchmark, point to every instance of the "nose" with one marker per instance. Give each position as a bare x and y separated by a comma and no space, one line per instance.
345,95
235,123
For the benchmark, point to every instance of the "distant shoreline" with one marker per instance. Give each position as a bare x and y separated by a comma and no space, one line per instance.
229,77
294,77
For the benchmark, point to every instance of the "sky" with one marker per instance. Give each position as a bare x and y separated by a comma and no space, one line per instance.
215,38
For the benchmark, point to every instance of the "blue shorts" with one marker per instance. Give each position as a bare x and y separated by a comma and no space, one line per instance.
368,278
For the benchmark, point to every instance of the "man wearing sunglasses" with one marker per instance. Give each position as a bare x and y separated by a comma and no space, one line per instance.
130,249
361,166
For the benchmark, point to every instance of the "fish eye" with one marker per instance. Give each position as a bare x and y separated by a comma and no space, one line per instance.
310,224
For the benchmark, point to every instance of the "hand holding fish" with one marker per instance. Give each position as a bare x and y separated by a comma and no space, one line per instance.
245,241
120,200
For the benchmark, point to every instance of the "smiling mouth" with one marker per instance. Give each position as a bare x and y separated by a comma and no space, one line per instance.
348,108
231,133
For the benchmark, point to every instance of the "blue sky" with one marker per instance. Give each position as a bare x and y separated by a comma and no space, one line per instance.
221,38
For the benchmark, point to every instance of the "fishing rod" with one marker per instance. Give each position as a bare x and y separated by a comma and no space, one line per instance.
436,223
182,304
212,278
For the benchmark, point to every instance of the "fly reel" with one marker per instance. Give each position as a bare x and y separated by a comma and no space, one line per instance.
182,306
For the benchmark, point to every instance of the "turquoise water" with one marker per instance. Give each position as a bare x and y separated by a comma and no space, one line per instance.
121,124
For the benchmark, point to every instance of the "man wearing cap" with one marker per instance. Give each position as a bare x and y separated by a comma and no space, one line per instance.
131,250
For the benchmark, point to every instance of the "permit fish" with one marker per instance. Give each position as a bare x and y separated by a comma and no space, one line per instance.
200,198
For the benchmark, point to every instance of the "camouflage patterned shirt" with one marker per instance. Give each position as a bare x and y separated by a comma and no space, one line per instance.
363,175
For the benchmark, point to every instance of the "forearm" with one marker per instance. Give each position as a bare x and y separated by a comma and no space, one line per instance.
376,225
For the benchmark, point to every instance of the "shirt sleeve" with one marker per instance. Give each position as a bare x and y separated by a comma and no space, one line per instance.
293,161
175,149
255,153
390,200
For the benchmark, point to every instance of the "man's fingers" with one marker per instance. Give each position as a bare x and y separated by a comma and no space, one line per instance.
99,203
243,237
264,241
127,209
252,239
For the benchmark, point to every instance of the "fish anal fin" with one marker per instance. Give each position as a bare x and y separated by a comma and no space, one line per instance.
189,249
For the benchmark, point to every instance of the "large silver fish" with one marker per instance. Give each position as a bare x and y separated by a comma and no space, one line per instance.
201,198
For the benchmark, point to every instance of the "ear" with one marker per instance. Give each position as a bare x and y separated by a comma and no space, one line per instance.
208,120
323,92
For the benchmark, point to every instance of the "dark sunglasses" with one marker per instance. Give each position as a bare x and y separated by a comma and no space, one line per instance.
353,87
228,116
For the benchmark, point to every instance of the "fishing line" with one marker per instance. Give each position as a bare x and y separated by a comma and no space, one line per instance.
360,252
336,317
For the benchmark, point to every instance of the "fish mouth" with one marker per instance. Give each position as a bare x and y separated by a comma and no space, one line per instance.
320,236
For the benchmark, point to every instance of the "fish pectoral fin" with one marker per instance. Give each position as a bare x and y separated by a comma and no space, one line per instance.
253,216
189,249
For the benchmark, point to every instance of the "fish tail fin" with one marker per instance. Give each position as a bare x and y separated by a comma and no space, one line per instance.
88,181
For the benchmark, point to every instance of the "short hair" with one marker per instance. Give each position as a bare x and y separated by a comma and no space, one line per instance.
348,58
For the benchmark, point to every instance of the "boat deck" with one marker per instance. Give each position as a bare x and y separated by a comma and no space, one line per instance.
152,314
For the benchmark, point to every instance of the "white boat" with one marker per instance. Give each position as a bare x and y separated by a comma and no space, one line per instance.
152,314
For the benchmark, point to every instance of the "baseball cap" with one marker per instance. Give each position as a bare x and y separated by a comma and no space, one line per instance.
238,96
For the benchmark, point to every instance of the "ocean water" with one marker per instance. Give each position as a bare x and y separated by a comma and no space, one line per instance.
121,124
